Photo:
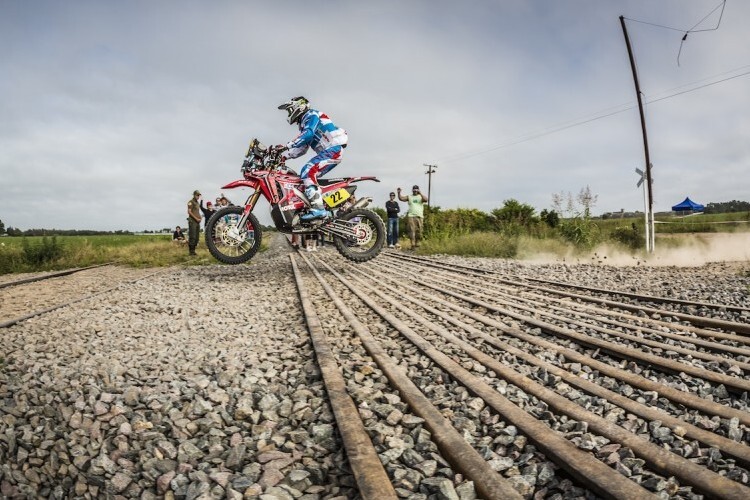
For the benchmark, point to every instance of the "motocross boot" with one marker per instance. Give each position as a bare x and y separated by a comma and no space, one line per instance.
316,211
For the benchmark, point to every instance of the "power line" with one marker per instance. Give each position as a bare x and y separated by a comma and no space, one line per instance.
598,116
722,4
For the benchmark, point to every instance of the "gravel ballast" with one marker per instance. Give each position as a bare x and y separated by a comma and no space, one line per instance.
202,383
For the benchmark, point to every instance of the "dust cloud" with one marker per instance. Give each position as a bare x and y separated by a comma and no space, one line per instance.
682,250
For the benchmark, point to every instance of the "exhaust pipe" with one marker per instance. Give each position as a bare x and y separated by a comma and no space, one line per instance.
362,202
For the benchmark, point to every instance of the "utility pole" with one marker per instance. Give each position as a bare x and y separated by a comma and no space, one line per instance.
430,171
650,238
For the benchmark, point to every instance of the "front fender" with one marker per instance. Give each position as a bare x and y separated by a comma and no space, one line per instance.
251,183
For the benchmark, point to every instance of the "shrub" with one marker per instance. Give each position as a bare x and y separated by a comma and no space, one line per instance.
581,232
48,250
630,236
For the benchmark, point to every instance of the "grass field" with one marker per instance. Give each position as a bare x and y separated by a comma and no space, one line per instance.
37,253
699,223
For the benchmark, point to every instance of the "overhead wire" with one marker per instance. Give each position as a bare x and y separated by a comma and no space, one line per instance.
722,4
595,117
577,122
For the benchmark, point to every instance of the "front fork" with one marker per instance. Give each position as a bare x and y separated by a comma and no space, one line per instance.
249,205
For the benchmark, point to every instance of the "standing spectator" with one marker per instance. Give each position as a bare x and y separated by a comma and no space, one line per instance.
415,214
208,211
222,201
393,209
194,221
178,236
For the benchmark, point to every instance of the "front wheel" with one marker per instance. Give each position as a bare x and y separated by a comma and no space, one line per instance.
228,242
367,235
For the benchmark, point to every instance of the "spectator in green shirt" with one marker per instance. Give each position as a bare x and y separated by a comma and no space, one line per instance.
415,214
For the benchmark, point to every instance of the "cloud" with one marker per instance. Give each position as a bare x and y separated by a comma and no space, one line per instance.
114,113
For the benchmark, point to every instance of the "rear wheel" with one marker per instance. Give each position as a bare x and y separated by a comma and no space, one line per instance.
229,243
368,235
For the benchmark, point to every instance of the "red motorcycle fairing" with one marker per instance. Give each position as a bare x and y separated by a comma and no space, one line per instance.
251,183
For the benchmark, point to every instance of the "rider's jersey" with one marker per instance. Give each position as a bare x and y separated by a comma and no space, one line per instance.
316,131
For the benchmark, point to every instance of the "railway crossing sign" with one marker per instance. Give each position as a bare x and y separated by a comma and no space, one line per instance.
640,181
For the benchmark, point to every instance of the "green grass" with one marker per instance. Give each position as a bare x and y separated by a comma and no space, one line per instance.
82,251
703,223
473,244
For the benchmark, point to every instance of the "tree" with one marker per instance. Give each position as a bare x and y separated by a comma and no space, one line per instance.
727,206
551,218
381,212
2,227
514,212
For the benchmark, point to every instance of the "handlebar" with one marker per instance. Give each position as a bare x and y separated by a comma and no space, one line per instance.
261,158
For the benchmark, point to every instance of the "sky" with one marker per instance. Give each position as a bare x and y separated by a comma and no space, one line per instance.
112,113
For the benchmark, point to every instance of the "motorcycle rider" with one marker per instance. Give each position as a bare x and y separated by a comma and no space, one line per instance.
325,138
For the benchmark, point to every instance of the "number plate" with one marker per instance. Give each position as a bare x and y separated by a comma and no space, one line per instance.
336,197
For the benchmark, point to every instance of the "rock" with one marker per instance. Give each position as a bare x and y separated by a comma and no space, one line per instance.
163,482
523,484
197,489
500,464
235,457
321,432
120,482
169,451
101,465
131,396
270,477
188,452
441,487
428,467
268,402
466,491
244,408
220,478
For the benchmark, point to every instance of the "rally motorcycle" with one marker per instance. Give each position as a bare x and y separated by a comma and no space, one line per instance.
233,234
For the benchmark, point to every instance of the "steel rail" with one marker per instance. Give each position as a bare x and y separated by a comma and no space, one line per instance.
369,473
663,461
638,320
707,344
740,328
739,451
579,464
51,275
731,326
643,297
11,322
675,395
633,338
488,483
612,348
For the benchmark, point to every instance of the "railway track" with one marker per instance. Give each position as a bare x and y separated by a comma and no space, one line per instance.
30,297
605,394
461,381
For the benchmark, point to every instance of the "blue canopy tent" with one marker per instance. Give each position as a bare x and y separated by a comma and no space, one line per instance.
688,206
